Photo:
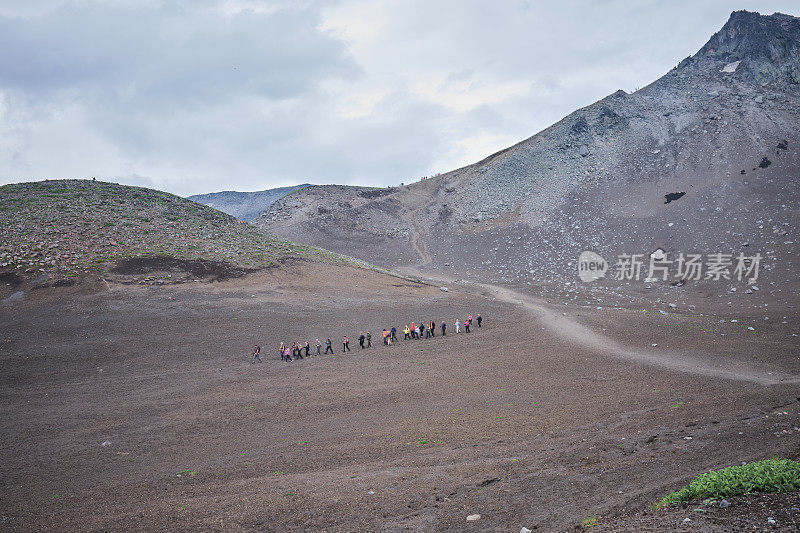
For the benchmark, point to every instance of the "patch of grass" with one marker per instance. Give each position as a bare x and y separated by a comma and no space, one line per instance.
770,475
589,522
676,405
190,473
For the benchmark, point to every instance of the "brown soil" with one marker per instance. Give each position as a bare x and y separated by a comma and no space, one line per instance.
199,268
137,408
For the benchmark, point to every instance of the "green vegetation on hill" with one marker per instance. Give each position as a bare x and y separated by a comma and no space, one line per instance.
67,228
769,475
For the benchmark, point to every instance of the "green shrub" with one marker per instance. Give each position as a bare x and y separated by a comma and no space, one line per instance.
769,475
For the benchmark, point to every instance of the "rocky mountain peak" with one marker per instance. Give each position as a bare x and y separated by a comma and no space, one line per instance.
768,46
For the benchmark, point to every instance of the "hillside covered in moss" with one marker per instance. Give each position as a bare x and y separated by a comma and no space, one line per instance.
62,229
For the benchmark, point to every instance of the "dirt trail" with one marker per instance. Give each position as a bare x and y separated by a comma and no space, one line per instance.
568,329
420,246
417,241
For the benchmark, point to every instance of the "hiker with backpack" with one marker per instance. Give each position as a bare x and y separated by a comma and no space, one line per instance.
479,319
444,329
287,356
328,345
394,334
256,351
369,339
317,348
361,339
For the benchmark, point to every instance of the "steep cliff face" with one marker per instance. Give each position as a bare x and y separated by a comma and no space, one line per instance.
768,47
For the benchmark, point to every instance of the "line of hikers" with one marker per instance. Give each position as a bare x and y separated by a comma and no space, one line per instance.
411,331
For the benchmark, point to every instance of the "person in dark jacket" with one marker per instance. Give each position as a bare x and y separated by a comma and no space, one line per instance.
307,348
328,346
479,319
394,334
361,339
256,351
444,329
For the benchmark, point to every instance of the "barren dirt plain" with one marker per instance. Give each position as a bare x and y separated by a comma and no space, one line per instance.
132,407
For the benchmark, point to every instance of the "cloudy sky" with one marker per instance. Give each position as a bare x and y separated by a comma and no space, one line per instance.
194,96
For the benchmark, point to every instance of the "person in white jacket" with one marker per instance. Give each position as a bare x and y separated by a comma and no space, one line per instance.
458,326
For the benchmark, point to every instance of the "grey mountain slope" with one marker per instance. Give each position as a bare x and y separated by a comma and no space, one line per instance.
244,205
725,134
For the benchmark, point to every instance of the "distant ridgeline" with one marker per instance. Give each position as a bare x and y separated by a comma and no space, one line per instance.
244,205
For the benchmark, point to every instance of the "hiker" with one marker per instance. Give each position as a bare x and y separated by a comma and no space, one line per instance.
282,350
427,332
361,339
287,357
458,326
413,330
416,333
421,330
466,324
296,352
469,318
407,333
317,349
432,328
256,351
345,344
369,339
307,348
479,319
385,337
394,334
444,329
328,346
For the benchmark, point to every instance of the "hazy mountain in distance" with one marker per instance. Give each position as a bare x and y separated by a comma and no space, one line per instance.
244,205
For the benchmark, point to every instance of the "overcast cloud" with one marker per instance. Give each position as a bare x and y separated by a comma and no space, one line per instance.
198,96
